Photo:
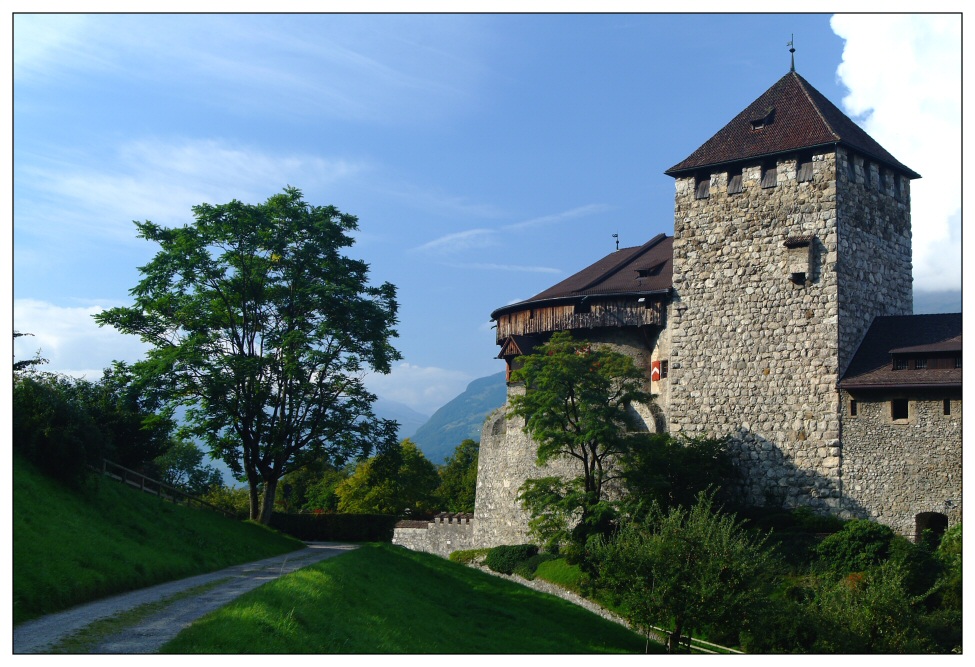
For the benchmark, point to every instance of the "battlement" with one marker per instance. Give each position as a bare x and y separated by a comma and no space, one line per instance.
445,533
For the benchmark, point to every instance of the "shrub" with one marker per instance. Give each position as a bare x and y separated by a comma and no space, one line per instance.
506,557
526,568
468,556
861,544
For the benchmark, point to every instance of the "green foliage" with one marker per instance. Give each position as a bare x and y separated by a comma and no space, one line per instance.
27,365
859,545
234,500
381,599
506,557
672,471
182,466
527,567
118,539
468,556
399,481
458,479
576,406
261,326
562,573
692,569
52,429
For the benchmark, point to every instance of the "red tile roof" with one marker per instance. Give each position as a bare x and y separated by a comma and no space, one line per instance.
872,365
795,116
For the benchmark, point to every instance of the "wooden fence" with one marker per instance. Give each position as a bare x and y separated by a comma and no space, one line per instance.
161,489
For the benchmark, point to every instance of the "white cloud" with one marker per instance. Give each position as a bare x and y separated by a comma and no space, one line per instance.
903,72
70,339
460,241
423,388
160,181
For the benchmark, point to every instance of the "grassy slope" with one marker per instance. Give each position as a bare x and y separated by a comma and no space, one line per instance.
385,599
73,547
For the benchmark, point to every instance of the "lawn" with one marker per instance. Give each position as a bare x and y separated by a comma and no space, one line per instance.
385,599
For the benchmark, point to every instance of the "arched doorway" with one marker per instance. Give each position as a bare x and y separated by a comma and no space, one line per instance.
934,522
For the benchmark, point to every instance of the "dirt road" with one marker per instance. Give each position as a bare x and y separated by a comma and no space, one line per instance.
40,635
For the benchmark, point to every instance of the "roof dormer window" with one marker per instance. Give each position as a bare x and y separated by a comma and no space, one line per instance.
759,122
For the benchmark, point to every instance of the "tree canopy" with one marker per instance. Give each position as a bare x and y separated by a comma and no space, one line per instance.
261,326
576,405
399,481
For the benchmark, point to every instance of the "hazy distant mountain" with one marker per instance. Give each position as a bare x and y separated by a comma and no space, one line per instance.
461,418
948,301
409,419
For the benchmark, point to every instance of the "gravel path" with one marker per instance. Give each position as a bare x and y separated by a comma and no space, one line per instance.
39,635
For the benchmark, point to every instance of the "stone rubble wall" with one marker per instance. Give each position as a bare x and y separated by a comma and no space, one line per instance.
442,536
892,470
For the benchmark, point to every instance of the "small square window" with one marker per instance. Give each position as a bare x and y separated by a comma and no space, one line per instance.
899,409
900,364
920,364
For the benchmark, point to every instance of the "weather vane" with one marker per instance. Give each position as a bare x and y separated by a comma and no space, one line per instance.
792,51
617,237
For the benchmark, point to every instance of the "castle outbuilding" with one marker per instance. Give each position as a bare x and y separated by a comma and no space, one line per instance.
780,314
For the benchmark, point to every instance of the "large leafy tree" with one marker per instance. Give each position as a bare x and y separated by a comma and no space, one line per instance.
692,569
576,406
399,481
262,327
458,478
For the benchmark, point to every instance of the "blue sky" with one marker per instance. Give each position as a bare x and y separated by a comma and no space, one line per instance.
486,156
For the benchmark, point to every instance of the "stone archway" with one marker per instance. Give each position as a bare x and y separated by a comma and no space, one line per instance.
935,522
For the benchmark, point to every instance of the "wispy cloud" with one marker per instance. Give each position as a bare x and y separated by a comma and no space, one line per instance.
476,239
157,180
423,388
512,268
582,211
912,106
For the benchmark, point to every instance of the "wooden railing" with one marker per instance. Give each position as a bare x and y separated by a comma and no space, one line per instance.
161,489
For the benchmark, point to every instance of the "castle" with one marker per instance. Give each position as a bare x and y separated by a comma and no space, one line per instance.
779,313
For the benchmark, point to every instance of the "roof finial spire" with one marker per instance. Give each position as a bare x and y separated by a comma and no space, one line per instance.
792,52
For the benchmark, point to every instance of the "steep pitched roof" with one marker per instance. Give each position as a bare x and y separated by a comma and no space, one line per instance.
789,116
631,271
872,367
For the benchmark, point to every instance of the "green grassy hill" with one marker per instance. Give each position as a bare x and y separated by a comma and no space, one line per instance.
71,547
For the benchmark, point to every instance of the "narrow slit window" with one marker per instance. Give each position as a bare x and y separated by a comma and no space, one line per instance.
804,170
734,184
947,408
664,367
853,407
703,188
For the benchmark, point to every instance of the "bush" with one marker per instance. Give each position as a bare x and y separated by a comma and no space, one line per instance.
506,557
526,568
860,545
468,556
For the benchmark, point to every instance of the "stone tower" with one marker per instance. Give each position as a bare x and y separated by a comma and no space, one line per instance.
791,234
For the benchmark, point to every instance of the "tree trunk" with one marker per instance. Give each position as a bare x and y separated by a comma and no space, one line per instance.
267,504
254,497
673,641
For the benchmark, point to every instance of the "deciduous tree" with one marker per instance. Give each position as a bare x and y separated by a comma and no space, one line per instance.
576,406
262,327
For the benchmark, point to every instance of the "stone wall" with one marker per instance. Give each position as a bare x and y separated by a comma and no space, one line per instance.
895,470
755,351
442,536
507,455
873,249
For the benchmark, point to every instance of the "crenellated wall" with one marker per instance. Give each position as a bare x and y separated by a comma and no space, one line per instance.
445,534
